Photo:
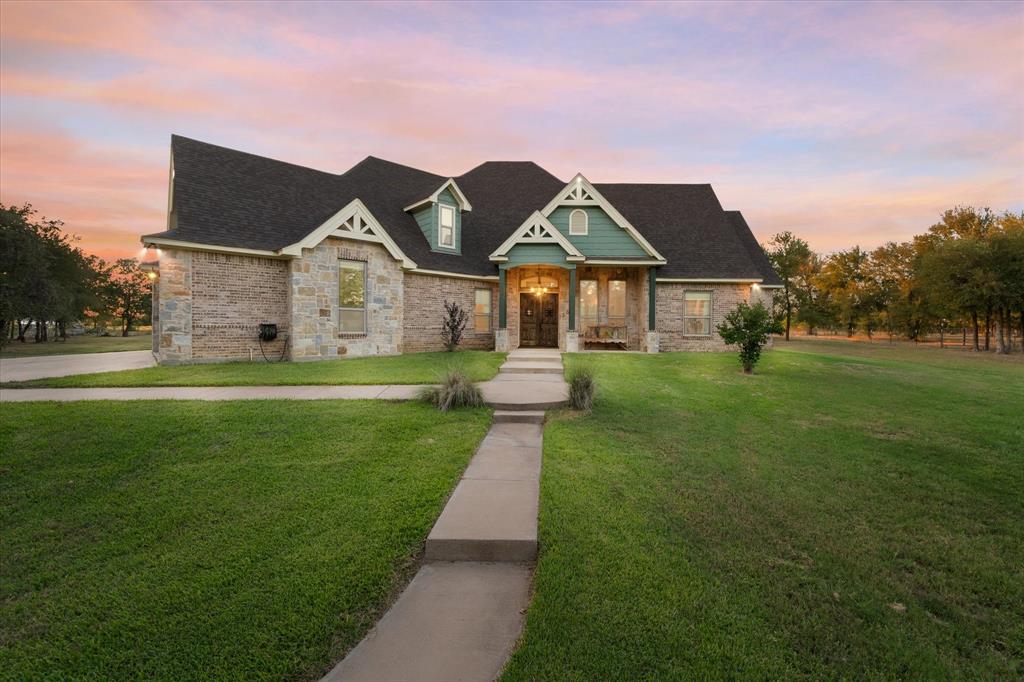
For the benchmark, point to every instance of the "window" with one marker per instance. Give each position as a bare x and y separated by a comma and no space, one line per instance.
697,313
482,311
617,303
446,229
352,297
578,222
588,304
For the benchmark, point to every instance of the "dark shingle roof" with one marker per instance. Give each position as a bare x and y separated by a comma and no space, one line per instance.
754,250
224,197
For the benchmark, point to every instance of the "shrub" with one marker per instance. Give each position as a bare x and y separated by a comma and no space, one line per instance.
581,387
453,324
748,327
455,390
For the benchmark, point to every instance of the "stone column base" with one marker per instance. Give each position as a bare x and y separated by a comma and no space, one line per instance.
572,342
501,341
652,342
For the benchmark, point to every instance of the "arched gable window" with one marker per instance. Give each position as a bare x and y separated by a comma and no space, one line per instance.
578,222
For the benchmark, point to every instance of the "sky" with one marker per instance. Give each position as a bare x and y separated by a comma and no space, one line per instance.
853,123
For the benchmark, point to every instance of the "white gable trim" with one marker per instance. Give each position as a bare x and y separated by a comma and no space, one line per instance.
581,192
537,229
352,222
450,183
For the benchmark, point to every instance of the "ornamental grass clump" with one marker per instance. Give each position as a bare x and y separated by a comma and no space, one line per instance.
581,387
455,390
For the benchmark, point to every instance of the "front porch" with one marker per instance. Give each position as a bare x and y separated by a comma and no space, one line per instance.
576,307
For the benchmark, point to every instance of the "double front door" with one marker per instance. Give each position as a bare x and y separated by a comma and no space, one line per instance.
538,321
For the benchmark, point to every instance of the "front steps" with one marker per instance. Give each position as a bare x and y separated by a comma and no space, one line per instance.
530,379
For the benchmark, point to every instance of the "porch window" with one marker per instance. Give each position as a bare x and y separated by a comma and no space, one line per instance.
446,231
617,303
482,311
697,313
588,304
578,222
352,297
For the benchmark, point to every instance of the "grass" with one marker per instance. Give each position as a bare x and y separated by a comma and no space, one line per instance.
229,540
84,343
411,368
843,513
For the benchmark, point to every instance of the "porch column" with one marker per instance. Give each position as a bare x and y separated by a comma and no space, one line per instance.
572,300
502,299
651,298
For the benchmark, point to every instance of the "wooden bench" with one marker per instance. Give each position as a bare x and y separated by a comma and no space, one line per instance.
605,333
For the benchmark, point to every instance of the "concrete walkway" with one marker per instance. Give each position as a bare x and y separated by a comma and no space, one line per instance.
44,366
395,392
460,617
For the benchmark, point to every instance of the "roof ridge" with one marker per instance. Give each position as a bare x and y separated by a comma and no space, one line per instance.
371,157
175,137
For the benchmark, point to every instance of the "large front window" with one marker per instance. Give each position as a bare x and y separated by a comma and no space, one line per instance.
446,232
697,313
352,297
588,304
617,303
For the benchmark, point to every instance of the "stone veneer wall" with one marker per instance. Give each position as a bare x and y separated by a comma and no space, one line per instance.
669,314
314,302
425,296
231,296
173,292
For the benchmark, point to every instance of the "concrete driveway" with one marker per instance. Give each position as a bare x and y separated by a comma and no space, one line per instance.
23,369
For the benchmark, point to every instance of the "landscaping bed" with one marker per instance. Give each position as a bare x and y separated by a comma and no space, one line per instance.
225,540
835,515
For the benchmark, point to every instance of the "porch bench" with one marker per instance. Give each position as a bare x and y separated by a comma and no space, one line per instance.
605,333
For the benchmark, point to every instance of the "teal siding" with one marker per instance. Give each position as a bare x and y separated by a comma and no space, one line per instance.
428,218
531,254
604,239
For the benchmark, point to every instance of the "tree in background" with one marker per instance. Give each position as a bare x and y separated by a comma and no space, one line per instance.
844,275
128,291
814,306
789,255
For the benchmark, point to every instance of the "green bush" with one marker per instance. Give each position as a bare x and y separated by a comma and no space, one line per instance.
455,390
749,326
582,387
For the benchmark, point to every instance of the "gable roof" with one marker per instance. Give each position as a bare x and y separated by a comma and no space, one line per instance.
227,198
754,250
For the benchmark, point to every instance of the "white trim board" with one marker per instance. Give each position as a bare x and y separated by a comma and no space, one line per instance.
456,275
450,183
706,280
195,246
354,221
537,229
581,192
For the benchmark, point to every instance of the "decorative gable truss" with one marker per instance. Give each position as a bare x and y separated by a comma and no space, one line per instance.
537,230
580,192
352,222
450,185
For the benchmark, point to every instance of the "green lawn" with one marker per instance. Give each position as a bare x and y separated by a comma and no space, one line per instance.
844,513
85,343
411,368
195,540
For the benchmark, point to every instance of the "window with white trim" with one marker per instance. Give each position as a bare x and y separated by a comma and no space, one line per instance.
588,304
446,226
352,297
578,222
617,302
482,311
697,313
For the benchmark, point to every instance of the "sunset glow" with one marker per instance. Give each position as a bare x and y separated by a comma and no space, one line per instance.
844,123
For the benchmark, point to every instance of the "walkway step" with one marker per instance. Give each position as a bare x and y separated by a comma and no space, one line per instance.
455,621
518,416
532,368
487,520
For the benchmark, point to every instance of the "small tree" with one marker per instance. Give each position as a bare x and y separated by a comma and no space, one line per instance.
453,325
748,327
128,292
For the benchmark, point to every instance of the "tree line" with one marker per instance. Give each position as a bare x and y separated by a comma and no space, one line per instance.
47,282
966,272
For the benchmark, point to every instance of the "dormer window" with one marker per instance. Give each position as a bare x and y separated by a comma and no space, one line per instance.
578,222
446,226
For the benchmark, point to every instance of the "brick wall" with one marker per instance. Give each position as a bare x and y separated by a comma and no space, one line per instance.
314,302
231,296
669,314
425,296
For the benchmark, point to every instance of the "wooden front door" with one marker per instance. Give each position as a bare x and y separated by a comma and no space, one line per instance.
538,321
